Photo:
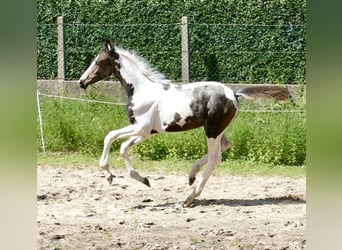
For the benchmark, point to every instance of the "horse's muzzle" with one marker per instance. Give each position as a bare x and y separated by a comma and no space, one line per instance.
82,85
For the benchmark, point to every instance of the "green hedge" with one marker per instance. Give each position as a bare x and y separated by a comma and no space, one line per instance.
230,41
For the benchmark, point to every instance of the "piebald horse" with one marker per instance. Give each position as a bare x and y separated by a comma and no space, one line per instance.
156,105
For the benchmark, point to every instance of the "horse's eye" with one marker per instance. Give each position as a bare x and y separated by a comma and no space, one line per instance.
98,63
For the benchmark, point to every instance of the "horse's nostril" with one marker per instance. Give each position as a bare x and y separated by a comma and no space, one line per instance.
82,85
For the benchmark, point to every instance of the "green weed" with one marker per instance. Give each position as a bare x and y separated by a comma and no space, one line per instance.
276,138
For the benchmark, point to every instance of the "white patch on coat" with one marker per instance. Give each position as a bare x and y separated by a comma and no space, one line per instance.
229,93
174,101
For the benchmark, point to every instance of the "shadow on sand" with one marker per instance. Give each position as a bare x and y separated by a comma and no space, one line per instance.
285,200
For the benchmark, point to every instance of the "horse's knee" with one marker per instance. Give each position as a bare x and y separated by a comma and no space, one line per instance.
109,138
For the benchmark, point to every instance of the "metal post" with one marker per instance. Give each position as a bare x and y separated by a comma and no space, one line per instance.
185,51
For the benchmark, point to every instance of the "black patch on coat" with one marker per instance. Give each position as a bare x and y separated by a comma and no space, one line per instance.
130,104
129,89
191,122
173,126
213,109
177,117
166,86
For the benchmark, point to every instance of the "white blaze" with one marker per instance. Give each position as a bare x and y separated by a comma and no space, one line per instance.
87,72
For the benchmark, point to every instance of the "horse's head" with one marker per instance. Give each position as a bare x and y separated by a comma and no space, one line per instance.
103,66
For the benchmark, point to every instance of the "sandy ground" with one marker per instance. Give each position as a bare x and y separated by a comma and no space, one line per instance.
78,209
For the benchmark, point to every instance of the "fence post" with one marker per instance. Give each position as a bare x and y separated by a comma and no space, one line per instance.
185,51
40,121
60,50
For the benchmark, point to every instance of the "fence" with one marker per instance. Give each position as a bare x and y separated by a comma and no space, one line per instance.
184,52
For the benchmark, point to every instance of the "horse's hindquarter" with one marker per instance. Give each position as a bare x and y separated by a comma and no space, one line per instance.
218,105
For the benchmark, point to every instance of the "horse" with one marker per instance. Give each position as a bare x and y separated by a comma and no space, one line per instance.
156,105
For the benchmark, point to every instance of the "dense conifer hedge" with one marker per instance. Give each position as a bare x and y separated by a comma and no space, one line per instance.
230,41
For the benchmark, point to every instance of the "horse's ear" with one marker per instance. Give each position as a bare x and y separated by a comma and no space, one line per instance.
109,48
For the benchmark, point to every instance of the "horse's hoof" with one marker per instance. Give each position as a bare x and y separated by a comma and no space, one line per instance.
146,182
192,180
110,179
187,204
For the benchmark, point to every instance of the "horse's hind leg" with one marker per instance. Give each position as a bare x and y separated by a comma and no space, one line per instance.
225,144
214,157
125,146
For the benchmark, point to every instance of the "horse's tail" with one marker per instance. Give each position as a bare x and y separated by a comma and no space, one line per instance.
264,91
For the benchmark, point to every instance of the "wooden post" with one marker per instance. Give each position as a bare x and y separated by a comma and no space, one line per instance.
60,50
185,51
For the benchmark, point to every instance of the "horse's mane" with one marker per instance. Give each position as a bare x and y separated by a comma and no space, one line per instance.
144,66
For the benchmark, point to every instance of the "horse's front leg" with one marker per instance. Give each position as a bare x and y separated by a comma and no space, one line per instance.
109,139
125,146
196,167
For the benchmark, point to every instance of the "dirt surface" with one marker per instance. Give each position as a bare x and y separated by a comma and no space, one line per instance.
78,209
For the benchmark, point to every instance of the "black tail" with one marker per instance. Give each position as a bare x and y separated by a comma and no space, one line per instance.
264,91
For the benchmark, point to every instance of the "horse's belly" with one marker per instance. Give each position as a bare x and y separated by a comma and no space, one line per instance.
182,124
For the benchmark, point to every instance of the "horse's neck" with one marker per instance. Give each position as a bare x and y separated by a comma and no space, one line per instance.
132,80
